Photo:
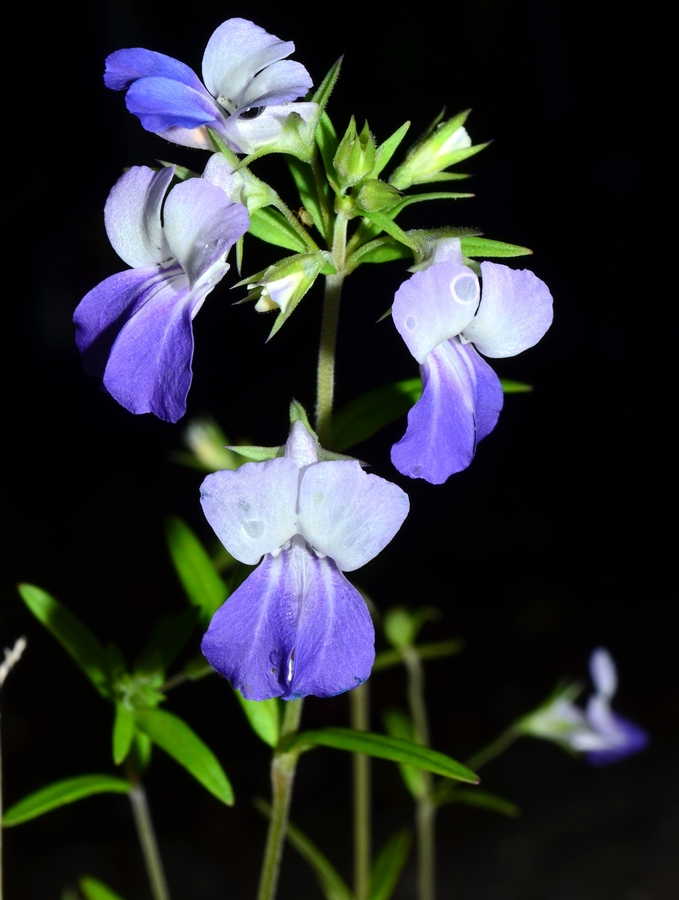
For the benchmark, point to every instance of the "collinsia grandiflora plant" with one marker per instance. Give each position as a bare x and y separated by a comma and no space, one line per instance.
304,513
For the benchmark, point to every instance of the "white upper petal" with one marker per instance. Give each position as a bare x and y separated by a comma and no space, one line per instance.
235,53
133,216
347,514
603,672
252,509
515,311
435,305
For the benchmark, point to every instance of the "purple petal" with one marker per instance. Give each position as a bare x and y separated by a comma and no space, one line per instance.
253,509
295,627
460,404
126,66
149,368
133,216
347,514
603,672
435,305
235,53
515,311
201,226
631,738
162,103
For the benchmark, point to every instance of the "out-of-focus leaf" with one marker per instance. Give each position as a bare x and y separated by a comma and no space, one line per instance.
72,633
381,746
263,716
389,865
202,583
178,740
60,793
123,732
437,650
330,881
368,414
515,387
399,725
474,797
167,640
93,889
271,226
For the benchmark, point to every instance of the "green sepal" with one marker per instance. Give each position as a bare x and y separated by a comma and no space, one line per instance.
437,650
386,150
374,195
475,797
93,889
420,198
354,158
451,160
331,882
181,173
259,454
271,226
179,741
223,148
478,246
298,414
60,793
399,725
123,732
73,635
389,865
384,221
263,716
322,93
381,746
167,640
141,751
201,581
380,250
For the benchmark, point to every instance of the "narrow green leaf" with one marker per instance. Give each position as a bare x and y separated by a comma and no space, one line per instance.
389,865
306,185
202,583
474,797
479,246
93,889
142,748
515,387
167,639
365,416
72,633
381,746
399,725
60,793
420,198
330,881
325,88
178,740
382,249
386,150
263,716
384,221
326,138
123,732
436,650
271,226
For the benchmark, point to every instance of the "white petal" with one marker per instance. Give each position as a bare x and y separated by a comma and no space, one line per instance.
300,447
347,514
515,311
603,672
252,509
132,216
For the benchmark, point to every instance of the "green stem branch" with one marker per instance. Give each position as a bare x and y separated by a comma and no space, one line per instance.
283,767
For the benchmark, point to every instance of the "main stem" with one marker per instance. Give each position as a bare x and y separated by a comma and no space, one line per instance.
425,812
283,767
359,700
147,839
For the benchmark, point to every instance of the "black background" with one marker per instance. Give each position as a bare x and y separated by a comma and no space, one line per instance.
556,540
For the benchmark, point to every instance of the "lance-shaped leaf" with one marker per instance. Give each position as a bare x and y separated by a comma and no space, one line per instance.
60,793
72,633
389,865
271,226
475,797
308,192
386,150
123,732
384,221
263,716
472,245
93,889
382,747
197,573
365,416
399,725
177,739
380,250
331,882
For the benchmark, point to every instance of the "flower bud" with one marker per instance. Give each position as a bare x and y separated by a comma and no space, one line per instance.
374,194
355,156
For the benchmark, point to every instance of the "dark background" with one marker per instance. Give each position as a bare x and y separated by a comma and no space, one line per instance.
556,540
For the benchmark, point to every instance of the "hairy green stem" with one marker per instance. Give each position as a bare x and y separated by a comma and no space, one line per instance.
359,700
147,840
283,767
425,812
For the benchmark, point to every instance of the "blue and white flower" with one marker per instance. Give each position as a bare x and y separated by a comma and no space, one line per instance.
249,84
296,626
446,321
134,330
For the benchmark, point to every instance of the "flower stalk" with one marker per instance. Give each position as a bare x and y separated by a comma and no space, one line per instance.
148,842
359,700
